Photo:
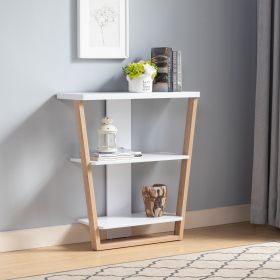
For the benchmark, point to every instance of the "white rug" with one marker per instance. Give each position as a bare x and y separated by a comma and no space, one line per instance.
252,262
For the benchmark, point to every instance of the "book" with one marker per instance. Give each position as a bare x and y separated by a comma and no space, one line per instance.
162,57
98,157
120,155
177,70
174,70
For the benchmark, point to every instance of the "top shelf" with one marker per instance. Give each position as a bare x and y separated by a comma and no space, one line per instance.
126,95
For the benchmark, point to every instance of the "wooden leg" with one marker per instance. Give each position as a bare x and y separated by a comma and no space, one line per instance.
186,166
137,241
87,174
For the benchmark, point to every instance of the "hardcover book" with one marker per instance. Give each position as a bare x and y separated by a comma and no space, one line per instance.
162,57
177,70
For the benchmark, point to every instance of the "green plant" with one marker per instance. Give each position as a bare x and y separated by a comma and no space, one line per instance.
136,69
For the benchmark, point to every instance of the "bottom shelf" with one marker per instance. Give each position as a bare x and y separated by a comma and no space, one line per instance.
137,219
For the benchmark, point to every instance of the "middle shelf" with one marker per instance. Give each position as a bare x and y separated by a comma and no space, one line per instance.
143,158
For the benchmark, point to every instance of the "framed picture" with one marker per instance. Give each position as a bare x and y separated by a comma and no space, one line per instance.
103,29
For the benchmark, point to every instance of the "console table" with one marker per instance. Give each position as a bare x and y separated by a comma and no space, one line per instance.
118,106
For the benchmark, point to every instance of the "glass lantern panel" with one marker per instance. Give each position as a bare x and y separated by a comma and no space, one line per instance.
102,140
112,141
107,142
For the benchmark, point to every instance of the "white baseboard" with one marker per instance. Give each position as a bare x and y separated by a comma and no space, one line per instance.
76,233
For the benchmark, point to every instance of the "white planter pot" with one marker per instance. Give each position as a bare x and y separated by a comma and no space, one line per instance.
141,84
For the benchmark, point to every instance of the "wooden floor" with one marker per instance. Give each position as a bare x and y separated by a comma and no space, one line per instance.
61,258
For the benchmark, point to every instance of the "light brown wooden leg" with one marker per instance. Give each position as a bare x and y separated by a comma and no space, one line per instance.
87,174
186,166
137,241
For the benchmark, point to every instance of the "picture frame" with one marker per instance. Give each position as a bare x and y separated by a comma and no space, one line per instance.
103,29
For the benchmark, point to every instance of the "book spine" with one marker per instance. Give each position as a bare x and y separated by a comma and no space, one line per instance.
162,57
174,71
179,71
170,72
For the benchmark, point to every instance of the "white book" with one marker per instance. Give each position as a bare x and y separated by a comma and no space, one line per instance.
121,154
110,159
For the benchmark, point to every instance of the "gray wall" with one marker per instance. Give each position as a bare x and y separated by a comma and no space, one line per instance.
39,187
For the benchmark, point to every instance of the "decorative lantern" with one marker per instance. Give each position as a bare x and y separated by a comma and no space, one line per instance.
107,136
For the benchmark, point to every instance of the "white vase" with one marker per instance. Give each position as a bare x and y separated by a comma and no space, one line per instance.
141,84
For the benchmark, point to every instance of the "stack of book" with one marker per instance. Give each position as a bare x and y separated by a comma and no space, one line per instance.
120,155
169,63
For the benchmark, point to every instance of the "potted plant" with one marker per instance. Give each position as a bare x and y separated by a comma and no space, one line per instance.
140,76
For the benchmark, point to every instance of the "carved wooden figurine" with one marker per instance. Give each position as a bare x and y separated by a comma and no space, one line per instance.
154,198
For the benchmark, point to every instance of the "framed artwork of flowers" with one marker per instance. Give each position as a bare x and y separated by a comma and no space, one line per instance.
103,29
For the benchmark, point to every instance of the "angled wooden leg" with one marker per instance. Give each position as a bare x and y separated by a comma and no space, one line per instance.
87,174
186,166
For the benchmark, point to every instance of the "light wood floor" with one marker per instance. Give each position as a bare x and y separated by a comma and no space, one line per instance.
61,258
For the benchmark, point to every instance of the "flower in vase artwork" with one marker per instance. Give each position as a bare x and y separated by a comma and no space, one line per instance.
105,25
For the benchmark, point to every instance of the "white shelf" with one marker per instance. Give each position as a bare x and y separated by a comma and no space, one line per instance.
138,219
125,95
144,158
